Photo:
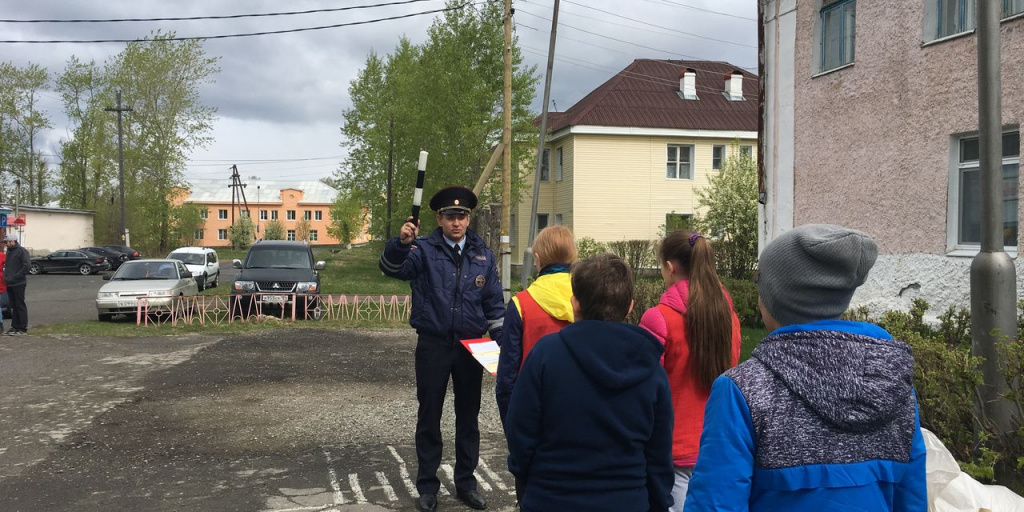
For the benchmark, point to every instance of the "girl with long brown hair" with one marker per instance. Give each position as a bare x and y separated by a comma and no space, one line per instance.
696,322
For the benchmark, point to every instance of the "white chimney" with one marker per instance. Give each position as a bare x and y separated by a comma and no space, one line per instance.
734,86
688,84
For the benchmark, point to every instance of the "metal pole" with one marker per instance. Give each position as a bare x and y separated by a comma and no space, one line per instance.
391,172
528,253
993,277
505,246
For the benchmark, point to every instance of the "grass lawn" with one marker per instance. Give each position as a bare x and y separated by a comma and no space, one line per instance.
751,336
355,272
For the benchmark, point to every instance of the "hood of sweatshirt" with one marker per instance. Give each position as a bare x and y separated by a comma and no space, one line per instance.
677,295
552,292
614,355
852,381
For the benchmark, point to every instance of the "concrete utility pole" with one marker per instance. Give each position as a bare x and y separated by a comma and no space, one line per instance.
993,277
528,253
391,172
120,160
506,163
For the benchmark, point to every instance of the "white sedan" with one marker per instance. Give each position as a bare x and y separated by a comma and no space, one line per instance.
161,283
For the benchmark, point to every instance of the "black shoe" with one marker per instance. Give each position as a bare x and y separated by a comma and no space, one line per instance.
473,499
427,503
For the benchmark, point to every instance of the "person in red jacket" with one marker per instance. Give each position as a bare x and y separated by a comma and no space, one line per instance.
4,301
696,322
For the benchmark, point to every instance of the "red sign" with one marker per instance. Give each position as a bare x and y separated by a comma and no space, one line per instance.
19,221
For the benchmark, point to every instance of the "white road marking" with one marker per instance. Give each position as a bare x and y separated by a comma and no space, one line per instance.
357,491
384,484
403,471
491,474
339,499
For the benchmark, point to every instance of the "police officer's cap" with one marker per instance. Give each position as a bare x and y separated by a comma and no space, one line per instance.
453,200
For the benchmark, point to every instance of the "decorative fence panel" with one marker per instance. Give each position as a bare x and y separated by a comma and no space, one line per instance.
221,309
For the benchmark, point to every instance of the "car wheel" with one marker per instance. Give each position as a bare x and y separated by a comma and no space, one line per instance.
84,269
215,282
35,269
201,283
105,317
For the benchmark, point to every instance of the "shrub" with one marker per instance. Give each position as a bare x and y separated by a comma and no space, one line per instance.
638,253
587,247
646,293
744,301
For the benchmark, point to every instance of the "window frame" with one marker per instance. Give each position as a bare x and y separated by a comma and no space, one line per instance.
318,215
198,235
547,221
222,234
204,213
290,235
678,162
263,214
829,7
957,167
686,218
717,156
307,214
314,236
545,166
222,214
273,214
558,164
289,215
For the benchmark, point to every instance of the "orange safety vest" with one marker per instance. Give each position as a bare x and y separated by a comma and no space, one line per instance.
537,323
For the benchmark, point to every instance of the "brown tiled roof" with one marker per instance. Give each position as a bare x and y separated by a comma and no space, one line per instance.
646,95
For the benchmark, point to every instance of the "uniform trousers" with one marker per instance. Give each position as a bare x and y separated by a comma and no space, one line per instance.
436,360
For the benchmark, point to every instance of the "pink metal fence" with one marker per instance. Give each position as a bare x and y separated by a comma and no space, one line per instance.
221,309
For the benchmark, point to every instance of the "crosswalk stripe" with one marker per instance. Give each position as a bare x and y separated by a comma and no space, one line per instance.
339,499
384,484
357,491
492,475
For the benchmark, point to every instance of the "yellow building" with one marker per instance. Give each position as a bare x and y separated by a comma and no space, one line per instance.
288,202
626,160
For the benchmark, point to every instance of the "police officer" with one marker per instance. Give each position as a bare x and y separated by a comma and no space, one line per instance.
455,295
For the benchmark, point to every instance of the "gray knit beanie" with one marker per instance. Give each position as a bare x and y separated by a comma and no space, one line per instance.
809,273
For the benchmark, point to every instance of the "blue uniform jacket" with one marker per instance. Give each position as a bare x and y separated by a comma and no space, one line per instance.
821,417
448,303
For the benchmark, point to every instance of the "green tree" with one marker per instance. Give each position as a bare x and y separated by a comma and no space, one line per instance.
730,216
242,233
187,219
87,172
273,230
21,121
445,97
347,219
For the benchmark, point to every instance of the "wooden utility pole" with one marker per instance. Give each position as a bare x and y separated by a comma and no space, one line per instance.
506,166
120,162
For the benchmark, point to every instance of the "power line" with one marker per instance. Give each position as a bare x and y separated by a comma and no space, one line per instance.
249,34
649,24
710,11
223,17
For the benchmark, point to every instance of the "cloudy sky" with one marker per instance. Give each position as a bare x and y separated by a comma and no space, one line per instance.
279,98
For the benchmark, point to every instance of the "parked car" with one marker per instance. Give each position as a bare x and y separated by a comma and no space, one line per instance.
111,255
127,253
82,262
274,274
202,262
161,282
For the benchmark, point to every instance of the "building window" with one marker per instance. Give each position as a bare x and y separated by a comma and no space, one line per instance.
965,192
837,33
558,219
313,235
953,17
222,234
545,165
512,230
679,165
747,152
318,215
542,221
1012,7
558,164
222,214
199,234
307,215
291,235
273,214
677,221
263,215
204,213
717,156
290,215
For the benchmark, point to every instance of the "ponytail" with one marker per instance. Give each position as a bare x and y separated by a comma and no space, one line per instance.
708,316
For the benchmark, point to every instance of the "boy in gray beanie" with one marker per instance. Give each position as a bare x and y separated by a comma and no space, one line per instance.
823,415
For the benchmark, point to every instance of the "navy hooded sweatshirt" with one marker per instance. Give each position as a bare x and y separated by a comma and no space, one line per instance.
589,424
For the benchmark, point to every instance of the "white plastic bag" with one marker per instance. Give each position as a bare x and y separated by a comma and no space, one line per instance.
951,490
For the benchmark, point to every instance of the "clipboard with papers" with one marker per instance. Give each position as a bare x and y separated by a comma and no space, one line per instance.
485,351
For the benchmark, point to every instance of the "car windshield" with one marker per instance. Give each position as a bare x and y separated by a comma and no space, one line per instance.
140,270
188,258
278,258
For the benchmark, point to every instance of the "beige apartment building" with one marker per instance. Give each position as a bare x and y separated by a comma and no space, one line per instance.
625,161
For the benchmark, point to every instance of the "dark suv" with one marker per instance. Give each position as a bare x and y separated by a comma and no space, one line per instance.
277,275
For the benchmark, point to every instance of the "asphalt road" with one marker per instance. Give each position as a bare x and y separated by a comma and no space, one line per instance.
284,420
59,298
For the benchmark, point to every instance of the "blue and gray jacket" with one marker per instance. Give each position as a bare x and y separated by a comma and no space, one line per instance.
449,302
823,416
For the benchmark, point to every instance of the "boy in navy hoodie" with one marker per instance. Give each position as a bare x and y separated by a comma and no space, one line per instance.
589,424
